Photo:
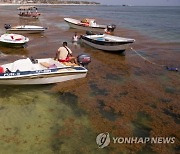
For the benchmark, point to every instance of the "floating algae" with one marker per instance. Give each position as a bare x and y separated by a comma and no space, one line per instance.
170,90
71,100
165,100
176,117
116,78
108,114
142,125
146,150
96,90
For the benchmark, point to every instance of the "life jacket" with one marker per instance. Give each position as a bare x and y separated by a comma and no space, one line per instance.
86,24
107,32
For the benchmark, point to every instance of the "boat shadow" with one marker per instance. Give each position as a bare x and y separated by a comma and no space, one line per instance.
10,51
24,88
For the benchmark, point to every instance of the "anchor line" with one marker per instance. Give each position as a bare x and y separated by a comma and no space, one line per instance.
168,68
147,59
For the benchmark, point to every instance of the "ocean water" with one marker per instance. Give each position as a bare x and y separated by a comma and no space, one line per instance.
158,22
122,94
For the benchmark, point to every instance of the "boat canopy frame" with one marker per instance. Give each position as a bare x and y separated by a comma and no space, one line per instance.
27,8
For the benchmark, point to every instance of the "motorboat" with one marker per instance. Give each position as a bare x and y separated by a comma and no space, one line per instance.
42,71
28,12
107,42
13,40
24,29
89,25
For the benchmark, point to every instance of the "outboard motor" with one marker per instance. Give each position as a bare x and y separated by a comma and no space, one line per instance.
110,28
83,59
34,61
7,26
89,33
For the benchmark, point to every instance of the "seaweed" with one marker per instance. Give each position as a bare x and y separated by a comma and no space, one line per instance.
176,117
110,114
170,90
142,125
96,90
147,149
72,101
165,100
56,141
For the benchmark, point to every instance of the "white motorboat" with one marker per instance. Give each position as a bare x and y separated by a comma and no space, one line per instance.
89,25
24,29
13,40
41,71
107,42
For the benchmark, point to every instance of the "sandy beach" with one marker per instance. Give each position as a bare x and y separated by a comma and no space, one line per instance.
122,94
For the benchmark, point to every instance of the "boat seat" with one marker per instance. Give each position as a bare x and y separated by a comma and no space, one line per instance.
18,39
45,64
48,65
69,64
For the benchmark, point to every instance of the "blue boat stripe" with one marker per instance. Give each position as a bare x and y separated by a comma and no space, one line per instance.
45,71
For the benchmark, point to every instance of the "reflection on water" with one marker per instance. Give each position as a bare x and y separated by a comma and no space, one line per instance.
14,51
28,21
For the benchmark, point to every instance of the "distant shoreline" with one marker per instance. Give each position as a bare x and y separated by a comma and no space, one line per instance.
42,4
80,3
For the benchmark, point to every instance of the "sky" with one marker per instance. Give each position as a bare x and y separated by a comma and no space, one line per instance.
140,2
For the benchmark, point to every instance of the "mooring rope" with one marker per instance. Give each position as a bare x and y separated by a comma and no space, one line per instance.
168,68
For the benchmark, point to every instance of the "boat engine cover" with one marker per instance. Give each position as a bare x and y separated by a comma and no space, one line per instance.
111,27
7,26
83,59
89,33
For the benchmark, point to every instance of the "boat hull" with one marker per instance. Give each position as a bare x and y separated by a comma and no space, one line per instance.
117,48
86,28
42,80
13,40
29,16
107,42
39,71
12,45
24,31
